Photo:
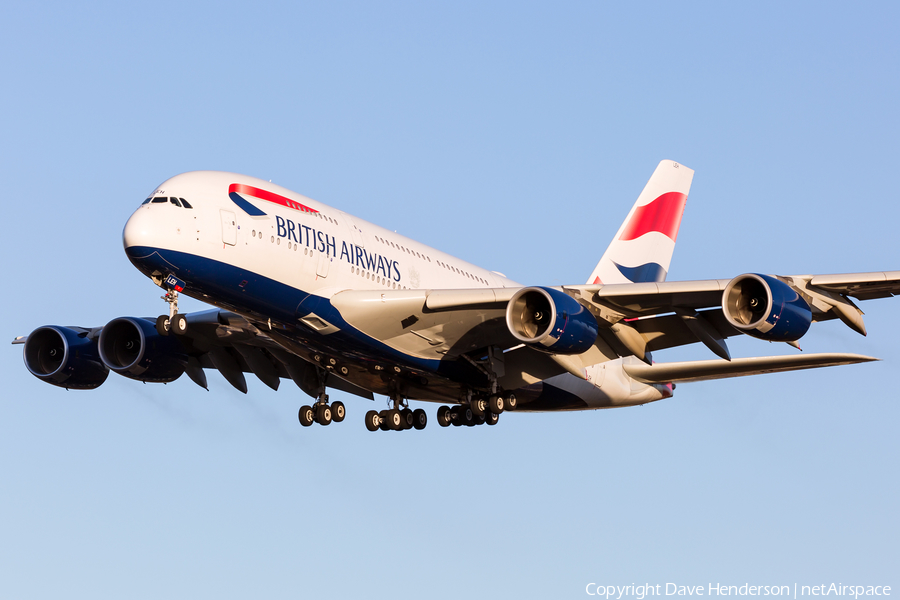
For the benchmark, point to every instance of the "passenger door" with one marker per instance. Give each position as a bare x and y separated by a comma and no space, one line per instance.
229,227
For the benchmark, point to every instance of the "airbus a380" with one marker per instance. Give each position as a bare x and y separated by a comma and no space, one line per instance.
307,292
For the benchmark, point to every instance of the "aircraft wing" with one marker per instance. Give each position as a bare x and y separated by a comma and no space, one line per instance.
634,319
221,340
862,286
705,370
642,299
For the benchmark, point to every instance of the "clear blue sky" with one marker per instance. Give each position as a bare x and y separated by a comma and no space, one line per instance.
514,135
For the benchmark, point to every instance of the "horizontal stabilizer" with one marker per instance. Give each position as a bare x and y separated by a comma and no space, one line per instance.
704,370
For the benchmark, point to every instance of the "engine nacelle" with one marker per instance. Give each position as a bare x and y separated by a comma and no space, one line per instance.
132,347
766,308
551,321
64,357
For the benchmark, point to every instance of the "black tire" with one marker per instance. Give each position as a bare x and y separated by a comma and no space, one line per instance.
373,421
323,414
162,325
178,325
406,419
466,416
455,419
511,401
395,420
443,416
478,420
306,416
338,412
478,407
491,418
496,404
420,419
384,425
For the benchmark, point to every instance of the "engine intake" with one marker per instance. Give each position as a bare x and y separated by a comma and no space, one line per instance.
551,321
65,358
132,347
766,308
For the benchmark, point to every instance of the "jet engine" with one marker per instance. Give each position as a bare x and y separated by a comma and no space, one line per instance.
551,321
132,347
65,357
766,308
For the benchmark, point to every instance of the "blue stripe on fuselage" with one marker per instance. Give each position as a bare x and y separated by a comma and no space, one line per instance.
245,205
243,291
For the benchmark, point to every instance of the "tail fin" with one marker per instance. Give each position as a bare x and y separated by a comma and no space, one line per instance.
642,249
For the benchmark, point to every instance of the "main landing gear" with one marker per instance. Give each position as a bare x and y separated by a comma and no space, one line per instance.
477,412
398,418
321,412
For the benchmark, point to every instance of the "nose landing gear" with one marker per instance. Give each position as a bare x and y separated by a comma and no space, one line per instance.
174,322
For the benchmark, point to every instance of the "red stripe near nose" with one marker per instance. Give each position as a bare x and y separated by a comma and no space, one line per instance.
240,188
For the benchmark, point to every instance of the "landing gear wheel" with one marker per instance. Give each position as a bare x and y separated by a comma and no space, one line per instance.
178,324
491,418
478,420
406,419
306,415
338,412
373,421
465,416
162,325
395,420
420,419
444,417
323,414
511,401
384,425
479,406
496,404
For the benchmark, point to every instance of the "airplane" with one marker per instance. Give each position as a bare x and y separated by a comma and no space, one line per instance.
307,292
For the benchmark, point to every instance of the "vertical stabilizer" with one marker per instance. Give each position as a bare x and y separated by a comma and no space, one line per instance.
642,249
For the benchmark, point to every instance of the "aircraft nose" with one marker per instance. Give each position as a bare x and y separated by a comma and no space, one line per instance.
137,230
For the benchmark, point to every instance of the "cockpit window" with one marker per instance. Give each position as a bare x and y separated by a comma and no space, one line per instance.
174,201
147,201
160,199
185,203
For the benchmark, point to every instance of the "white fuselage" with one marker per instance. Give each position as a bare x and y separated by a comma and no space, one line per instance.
286,246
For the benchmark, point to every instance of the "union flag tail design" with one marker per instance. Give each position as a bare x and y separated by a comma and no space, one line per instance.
642,249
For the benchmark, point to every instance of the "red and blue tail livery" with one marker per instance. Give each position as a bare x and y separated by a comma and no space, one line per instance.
642,248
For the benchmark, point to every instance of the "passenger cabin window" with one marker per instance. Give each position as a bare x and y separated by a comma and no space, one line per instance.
185,203
175,201
160,200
